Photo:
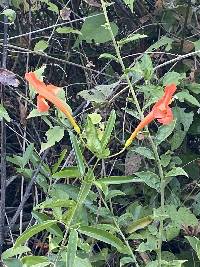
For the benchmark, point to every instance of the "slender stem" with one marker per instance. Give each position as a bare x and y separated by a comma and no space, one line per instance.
3,138
154,147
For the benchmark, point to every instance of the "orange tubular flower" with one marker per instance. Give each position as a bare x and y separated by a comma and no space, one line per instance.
160,111
48,92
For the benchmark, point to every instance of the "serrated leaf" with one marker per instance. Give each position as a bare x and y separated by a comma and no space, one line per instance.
114,193
195,244
93,142
108,56
149,178
32,231
173,77
99,94
52,7
67,30
55,203
176,172
139,224
11,252
4,113
109,128
28,154
68,172
61,158
163,41
93,29
186,96
41,46
72,248
183,122
85,187
146,66
36,113
104,236
35,261
144,151
78,153
54,135
131,38
164,131
41,217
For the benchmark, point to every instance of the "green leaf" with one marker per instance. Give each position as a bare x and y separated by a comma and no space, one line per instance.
130,4
54,135
93,29
28,154
149,178
164,131
163,41
131,38
114,193
119,180
139,224
36,261
108,56
183,122
146,66
99,94
61,158
55,203
173,77
78,153
95,118
41,217
41,46
144,151
4,113
85,187
186,96
126,260
32,231
109,128
36,113
67,30
10,14
197,45
52,7
176,172
195,244
68,172
11,252
93,142
72,248
105,237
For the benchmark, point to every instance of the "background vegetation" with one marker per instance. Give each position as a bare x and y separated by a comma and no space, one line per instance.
64,200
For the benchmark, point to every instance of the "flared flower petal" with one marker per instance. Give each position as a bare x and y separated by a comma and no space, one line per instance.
160,111
48,92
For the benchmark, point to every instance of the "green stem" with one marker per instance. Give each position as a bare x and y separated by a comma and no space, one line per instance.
154,148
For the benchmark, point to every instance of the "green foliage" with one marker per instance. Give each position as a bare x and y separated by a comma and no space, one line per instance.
95,30
54,135
94,202
4,113
10,14
41,46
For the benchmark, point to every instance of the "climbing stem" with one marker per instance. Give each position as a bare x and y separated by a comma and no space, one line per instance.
153,145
